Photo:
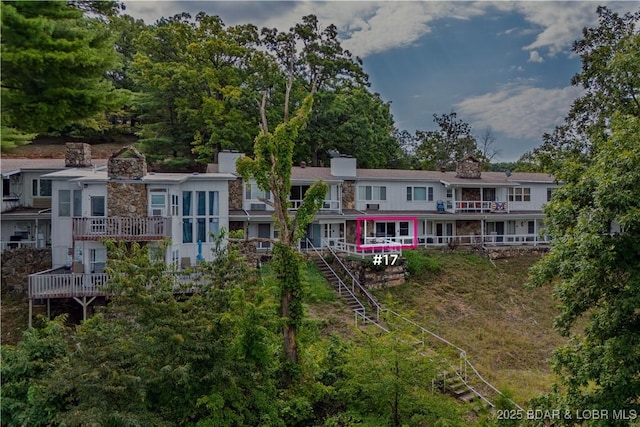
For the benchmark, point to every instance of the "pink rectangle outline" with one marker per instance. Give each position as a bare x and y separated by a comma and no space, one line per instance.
386,218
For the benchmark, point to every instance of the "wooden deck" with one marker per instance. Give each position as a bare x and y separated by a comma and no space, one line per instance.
58,283
119,228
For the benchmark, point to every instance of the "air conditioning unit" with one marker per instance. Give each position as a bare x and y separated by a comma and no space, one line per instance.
258,207
373,206
326,205
157,212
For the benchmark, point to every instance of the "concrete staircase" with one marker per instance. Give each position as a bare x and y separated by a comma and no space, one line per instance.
349,298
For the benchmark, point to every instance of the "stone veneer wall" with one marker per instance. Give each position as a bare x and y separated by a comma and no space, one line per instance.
470,194
235,194
78,155
468,227
351,232
127,167
374,277
349,195
468,169
126,199
515,251
18,264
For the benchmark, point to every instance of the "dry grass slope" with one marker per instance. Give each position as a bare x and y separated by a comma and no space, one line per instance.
506,329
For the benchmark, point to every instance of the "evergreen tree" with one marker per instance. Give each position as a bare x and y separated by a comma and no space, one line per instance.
54,67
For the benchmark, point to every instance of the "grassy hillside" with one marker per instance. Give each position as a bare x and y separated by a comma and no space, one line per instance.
485,308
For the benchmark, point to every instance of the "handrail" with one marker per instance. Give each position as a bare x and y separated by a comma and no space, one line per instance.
463,357
355,282
362,309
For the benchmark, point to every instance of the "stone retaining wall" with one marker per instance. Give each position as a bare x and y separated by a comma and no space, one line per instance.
372,277
18,264
515,251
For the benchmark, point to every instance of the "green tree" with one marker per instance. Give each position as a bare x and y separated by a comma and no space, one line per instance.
352,121
54,68
594,219
271,169
610,78
447,145
194,92
24,370
385,378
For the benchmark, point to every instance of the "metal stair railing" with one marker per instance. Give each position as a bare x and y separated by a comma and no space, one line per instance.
462,373
464,362
356,284
361,310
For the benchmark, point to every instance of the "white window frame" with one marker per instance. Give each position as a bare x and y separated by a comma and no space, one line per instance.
372,193
411,193
519,194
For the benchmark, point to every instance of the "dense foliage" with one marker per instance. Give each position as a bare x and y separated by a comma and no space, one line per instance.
54,69
594,220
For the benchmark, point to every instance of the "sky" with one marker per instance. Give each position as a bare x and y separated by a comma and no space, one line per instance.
503,66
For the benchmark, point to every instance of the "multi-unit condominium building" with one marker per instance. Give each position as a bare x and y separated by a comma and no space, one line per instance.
73,205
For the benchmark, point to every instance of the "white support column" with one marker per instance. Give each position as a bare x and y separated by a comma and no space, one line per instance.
84,303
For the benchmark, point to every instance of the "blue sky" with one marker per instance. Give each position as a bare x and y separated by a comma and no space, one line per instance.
506,66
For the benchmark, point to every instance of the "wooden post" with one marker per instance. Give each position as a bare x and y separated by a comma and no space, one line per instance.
84,303
30,311
49,308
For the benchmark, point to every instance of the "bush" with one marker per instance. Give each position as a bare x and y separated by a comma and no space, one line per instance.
419,263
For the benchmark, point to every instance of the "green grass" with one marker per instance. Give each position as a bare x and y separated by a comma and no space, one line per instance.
317,289
506,329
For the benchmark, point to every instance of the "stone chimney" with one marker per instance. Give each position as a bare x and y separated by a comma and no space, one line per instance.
78,155
469,167
127,164
227,161
343,166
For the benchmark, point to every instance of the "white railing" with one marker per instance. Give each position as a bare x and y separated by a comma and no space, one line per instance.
327,205
4,245
139,228
356,286
488,240
360,310
49,284
479,206
461,372
351,249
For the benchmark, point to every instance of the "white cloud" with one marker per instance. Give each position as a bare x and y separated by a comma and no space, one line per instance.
561,23
534,56
519,111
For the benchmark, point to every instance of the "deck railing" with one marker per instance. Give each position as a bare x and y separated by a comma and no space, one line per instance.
130,228
4,245
58,284
480,206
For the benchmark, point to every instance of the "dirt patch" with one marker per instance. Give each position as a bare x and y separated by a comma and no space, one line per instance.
54,148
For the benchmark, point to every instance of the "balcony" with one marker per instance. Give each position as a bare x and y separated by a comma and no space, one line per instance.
121,228
61,283
480,206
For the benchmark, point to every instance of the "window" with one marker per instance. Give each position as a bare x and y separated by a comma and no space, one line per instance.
64,202
550,193
404,228
519,194
419,194
77,203
41,188
187,230
97,206
98,259
175,208
186,203
6,187
205,217
372,192
252,192
531,227
158,204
